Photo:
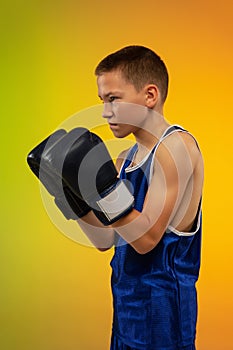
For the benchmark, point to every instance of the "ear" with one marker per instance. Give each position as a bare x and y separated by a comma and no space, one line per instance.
152,95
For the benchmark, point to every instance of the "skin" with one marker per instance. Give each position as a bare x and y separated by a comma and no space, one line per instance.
176,186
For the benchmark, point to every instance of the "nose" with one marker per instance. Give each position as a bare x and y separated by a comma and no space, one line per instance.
107,111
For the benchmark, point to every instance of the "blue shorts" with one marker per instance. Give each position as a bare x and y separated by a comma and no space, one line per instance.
116,344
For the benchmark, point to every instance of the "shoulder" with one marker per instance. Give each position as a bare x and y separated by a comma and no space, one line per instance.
120,159
179,145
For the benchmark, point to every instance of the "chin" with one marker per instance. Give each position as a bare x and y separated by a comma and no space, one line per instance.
122,131
120,135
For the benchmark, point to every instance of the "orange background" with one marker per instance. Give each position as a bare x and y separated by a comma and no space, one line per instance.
55,293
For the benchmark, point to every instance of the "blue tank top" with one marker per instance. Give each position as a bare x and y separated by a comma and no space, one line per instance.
154,294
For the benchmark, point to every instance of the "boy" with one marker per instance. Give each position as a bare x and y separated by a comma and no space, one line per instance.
156,225
157,255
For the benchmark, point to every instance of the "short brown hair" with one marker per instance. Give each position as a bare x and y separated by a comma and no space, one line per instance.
139,65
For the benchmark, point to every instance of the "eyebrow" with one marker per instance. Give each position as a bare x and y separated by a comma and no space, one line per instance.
109,93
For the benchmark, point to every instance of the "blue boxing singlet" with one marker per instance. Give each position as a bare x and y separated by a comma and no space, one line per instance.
154,294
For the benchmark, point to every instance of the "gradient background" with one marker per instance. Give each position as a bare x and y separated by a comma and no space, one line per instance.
54,292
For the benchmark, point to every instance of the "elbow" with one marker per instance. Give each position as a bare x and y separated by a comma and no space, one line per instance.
148,241
145,246
103,249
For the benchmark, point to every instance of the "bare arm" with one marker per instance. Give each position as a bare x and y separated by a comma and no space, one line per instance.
101,236
174,168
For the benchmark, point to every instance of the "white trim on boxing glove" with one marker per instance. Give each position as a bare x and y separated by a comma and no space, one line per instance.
117,202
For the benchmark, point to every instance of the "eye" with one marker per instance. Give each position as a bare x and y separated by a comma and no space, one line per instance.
112,98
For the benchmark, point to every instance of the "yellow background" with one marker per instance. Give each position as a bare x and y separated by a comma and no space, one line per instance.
55,293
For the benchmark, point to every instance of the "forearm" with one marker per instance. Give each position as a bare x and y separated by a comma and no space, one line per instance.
101,236
139,231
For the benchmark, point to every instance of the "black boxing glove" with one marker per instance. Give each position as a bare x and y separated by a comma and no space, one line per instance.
72,206
89,172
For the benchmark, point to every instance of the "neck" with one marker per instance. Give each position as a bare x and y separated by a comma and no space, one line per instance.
151,130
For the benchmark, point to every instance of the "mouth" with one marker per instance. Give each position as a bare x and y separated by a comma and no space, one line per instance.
113,125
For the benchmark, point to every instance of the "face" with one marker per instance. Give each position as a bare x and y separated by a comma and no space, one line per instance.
124,107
